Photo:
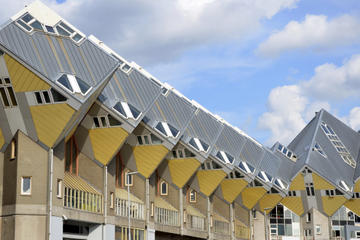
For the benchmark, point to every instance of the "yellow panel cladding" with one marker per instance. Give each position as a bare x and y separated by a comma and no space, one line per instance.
297,183
357,186
209,180
148,157
76,182
50,121
320,183
353,205
231,188
251,195
106,141
294,204
332,204
22,79
2,140
269,201
182,169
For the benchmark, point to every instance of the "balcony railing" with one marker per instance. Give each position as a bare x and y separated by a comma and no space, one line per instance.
166,216
196,223
136,209
82,200
221,227
242,232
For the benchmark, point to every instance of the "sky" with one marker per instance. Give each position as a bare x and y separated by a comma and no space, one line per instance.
265,66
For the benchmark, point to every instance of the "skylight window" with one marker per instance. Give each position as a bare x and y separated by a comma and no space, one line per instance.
127,110
199,145
74,84
29,23
344,186
319,150
225,157
246,167
166,129
280,184
264,176
289,154
337,143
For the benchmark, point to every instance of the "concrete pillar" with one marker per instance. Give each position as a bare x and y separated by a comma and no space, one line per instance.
56,228
150,228
209,218
232,222
181,209
109,230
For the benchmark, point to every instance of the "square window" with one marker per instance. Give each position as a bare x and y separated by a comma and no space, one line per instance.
128,179
25,185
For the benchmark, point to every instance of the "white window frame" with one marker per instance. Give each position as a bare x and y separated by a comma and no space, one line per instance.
74,85
112,198
22,186
127,178
167,130
192,191
344,186
308,217
247,167
161,189
59,185
318,229
263,174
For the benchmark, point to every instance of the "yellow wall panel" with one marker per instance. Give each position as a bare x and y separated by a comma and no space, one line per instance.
297,183
332,204
251,195
357,186
231,188
22,79
148,157
50,120
2,140
320,183
106,141
269,201
209,180
294,204
182,169
353,205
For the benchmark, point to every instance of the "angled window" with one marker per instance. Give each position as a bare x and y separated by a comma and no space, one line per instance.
127,110
74,84
319,150
337,143
126,68
25,185
167,130
246,167
264,176
289,154
7,93
278,182
225,157
65,30
344,186
199,145
29,23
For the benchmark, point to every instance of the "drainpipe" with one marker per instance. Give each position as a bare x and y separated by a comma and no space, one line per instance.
51,173
105,201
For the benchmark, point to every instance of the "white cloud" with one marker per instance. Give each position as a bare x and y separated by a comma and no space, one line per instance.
159,31
291,107
315,32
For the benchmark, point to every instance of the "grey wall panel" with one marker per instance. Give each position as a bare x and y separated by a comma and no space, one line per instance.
270,163
252,153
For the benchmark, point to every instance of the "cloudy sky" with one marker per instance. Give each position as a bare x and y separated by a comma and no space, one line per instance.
265,66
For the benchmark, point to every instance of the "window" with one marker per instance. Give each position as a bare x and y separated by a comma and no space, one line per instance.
49,97
129,179
164,187
166,129
286,152
344,186
182,153
225,157
264,176
356,195
25,185
126,68
234,174
192,196
319,150
199,145
71,156
330,193
111,200
310,189
149,139
74,84
28,23
246,167
105,121
65,30
7,93
127,110
292,193
59,188
308,217
13,149
308,232
318,229
278,182
337,143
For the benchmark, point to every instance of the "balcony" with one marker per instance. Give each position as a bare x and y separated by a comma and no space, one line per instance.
241,230
221,225
165,213
80,195
137,207
195,219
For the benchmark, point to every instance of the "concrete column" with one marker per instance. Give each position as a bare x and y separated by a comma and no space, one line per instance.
104,232
181,209
232,222
209,218
56,228
147,200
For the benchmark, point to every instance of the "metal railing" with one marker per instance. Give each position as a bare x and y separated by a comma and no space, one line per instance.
166,216
196,223
84,201
221,227
136,209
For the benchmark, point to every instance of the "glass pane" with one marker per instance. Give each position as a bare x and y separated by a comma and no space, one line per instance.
281,230
84,87
188,153
46,96
62,31
113,121
103,121
192,143
155,139
163,188
161,129
27,18
96,122
4,97
37,25
63,80
140,141
38,98
27,28
134,111
118,107
205,145
146,139
181,155
77,37
50,29
173,130
7,80
66,27
26,185
58,97
12,96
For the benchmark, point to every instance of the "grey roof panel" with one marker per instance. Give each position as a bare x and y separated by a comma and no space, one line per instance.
251,153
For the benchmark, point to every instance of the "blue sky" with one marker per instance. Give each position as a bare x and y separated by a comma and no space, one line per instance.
265,66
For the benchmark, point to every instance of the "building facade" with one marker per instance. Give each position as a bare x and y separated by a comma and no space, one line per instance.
94,147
